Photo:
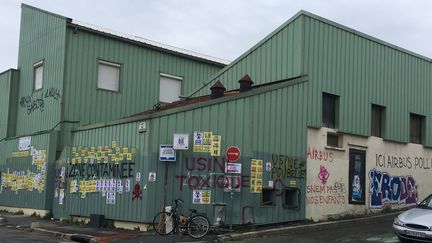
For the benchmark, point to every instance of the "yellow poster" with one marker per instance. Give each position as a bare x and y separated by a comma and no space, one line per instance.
256,176
207,138
206,148
197,148
216,143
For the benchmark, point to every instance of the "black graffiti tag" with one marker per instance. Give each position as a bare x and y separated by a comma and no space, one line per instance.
33,104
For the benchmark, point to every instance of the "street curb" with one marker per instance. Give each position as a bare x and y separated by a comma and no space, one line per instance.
296,229
68,236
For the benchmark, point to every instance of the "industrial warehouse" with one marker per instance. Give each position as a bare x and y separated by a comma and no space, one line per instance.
316,121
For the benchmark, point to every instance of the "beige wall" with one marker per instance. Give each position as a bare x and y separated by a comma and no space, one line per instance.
401,173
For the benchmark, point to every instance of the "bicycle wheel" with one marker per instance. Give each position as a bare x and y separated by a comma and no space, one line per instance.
198,226
164,223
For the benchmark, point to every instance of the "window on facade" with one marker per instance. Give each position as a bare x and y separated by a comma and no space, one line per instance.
329,110
108,76
169,88
377,120
416,128
291,197
268,197
333,140
38,75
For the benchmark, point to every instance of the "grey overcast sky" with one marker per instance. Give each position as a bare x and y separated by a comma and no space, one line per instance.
226,28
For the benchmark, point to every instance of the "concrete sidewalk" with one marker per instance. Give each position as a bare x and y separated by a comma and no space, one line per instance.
65,230
298,229
83,233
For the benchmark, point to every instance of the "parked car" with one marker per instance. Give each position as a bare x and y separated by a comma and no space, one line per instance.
416,223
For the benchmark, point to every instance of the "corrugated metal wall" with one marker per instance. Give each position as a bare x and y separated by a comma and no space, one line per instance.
25,198
277,57
5,84
8,102
139,77
42,37
125,208
261,126
364,71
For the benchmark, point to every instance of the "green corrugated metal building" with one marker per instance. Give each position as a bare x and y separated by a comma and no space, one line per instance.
326,102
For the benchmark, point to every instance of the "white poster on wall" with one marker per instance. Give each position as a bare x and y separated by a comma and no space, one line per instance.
181,141
167,153
152,177
24,143
127,185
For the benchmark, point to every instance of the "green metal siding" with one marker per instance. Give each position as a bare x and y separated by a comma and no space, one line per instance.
248,123
8,102
5,84
94,203
277,57
42,37
139,76
362,71
24,198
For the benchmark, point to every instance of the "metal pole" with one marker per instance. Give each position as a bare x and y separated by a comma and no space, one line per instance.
232,208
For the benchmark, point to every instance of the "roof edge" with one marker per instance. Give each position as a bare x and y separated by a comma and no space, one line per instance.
43,11
362,34
157,45
261,89
9,70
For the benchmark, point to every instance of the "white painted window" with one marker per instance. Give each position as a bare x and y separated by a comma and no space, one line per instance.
108,76
38,75
169,88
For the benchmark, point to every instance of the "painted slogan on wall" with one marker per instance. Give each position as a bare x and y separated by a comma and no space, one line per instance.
401,162
105,169
211,174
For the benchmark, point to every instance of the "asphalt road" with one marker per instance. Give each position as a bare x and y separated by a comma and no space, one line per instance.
12,235
370,231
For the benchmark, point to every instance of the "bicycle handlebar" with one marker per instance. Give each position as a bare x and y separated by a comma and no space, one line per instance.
178,200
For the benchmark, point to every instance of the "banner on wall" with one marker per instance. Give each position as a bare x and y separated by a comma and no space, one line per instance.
357,176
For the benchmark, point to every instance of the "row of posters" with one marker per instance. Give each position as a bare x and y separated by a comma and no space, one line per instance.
206,142
201,196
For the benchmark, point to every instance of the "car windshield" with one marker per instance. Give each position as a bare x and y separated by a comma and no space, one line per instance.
427,203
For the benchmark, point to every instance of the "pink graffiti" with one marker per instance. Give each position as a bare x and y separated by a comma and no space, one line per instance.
323,175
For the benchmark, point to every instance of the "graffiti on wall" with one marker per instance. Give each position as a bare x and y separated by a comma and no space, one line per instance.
211,174
320,155
285,166
323,175
34,103
386,189
28,180
319,194
401,162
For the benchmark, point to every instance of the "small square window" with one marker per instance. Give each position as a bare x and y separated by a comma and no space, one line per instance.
416,128
108,76
333,140
38,75
268,197
169,88
291,197
329,110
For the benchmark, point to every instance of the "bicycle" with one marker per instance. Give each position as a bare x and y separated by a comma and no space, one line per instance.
196,225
